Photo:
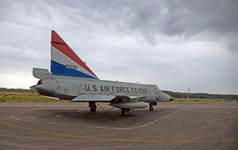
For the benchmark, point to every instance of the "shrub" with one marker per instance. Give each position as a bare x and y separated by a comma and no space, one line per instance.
3,98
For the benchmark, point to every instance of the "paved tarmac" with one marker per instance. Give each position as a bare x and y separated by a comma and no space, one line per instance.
172,125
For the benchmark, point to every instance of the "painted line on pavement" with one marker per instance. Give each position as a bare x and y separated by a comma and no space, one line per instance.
118,140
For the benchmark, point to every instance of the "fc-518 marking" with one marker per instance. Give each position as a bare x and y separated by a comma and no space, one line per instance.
71,79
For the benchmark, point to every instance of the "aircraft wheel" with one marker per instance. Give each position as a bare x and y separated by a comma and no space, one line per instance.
125,112
151,108
93,108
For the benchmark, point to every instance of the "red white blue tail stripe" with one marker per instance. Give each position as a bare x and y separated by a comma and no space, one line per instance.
65,62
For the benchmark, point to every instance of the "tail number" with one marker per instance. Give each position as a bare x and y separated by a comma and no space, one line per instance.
71,66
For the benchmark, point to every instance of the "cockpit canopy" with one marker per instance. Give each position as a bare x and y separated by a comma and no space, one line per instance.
154,86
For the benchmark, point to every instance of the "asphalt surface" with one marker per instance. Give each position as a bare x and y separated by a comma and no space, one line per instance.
174,125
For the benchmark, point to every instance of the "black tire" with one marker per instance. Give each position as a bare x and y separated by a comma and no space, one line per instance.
125,112
151,108
93,108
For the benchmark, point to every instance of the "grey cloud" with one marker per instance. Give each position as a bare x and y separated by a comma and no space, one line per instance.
146,18
153,18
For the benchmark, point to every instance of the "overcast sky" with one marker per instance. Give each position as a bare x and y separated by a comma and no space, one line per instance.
174,44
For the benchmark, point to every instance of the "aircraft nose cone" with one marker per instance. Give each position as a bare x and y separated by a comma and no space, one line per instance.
171,98
46,89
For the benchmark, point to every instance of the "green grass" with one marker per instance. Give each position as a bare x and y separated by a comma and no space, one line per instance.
25,97
201,100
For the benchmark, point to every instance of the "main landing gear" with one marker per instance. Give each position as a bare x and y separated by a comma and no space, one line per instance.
125,112
93,106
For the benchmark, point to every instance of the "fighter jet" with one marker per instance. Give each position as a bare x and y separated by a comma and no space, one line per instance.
71,79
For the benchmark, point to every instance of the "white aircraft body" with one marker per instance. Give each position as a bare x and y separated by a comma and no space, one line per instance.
71,79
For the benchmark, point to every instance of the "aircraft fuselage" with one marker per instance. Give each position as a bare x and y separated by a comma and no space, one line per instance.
70,87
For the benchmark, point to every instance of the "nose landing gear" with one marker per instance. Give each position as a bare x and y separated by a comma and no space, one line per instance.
152,104
151,108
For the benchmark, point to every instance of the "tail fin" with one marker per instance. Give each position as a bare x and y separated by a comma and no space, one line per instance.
65,62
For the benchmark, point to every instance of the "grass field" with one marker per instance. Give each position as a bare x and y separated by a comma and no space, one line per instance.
35,97
25,97
202,100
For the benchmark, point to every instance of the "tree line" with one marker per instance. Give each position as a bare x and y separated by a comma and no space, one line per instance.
3,89
201,95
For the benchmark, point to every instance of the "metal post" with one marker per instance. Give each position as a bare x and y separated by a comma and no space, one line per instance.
188,93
